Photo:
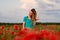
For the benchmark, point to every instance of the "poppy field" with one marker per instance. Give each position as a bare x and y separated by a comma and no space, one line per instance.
38,32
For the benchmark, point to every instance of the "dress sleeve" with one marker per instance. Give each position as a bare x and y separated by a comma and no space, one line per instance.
24,20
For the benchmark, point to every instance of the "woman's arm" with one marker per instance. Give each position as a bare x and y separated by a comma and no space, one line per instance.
23,25
37,18
34,22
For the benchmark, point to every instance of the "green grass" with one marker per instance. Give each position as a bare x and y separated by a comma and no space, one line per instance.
54,27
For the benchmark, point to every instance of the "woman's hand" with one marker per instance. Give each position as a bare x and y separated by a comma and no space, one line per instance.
37,18
23,25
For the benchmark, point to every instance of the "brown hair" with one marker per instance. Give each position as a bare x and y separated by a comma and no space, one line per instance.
34,14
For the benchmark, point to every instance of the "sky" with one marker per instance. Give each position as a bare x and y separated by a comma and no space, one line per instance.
13,11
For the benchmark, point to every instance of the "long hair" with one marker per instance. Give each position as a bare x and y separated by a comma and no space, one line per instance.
34,14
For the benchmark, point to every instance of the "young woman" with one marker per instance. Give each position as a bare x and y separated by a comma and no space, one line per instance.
29,21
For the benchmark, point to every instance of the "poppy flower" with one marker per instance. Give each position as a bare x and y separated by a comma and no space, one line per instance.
53,36
1,33
59,33
4,38
22,32
32,36
17,38
12,32
2,27
16,27
45,33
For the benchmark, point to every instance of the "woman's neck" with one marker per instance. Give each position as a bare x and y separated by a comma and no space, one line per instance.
29,17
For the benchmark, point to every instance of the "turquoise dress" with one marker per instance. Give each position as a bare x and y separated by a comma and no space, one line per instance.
28,22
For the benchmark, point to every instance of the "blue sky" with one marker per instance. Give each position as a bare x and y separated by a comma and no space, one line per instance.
13,11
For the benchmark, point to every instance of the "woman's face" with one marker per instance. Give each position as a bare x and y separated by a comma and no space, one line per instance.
30,13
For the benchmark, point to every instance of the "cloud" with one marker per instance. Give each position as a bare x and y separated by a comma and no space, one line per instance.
27,4
44,17
24,6
48,2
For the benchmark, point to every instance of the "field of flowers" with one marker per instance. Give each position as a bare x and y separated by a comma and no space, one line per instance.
39,32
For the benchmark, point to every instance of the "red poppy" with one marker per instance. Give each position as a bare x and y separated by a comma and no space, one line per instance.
53,36
22,32
2,27
16,27
32,36
59,33
17,38
1,33
4,38
45,33
12,32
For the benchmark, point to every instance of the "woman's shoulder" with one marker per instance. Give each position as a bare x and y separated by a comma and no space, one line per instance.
25,16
